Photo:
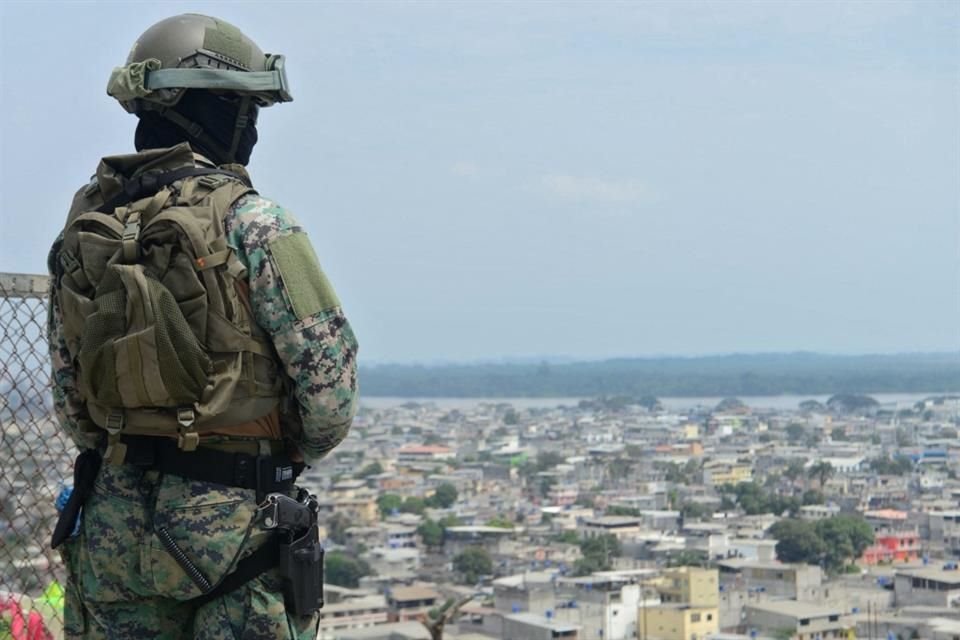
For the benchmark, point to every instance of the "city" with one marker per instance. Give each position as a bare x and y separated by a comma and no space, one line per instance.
616,518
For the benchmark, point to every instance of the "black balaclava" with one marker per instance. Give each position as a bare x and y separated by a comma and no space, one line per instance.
216,115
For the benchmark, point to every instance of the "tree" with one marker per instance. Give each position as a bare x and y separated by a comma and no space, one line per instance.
431,533
372,469
898,465
567,537
822,471
811,496
388,503
510,417
413,505
795,432
337,527
830,542
500,523
795,469
444,496
845,538
839,434
797,541
687,558
472,563
342,570
694,510
650,403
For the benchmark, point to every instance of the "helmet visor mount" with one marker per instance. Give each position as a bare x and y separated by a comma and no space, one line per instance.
147,81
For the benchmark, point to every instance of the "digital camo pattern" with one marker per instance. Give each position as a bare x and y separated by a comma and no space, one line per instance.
319,352
67,402
125,584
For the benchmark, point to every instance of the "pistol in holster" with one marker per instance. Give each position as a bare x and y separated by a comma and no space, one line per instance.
301,554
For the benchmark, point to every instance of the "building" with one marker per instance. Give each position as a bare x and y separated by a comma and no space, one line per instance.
927,586
530,626
806,621
690,585
772,578
721,473
893,547
424,453
411,603
818,511
352,613
623,527
677,622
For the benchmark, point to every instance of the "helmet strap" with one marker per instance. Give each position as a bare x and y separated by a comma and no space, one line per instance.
196,132
243,119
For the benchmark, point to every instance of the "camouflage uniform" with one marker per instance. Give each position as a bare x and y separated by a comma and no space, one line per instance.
122,582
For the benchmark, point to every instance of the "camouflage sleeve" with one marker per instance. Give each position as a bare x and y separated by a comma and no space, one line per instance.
296,306
67,402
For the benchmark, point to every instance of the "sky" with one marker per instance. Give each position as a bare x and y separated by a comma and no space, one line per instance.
487,181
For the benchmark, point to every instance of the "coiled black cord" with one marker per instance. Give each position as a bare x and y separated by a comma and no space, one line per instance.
191,569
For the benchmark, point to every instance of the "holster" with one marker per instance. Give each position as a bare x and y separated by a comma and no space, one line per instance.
301,565
85,469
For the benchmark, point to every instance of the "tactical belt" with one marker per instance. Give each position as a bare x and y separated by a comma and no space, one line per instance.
265,474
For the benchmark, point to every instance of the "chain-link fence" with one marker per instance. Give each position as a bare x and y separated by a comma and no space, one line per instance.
37,461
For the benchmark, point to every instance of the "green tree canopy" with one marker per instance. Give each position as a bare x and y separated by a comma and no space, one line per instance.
342,570
431,533
795,432
444,496
472,563
372,469
337,527
413,505
388,503
797,541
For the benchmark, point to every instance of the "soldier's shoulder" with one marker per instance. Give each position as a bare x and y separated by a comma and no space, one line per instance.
255,216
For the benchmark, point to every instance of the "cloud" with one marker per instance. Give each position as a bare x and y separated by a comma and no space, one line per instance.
590,189
465,169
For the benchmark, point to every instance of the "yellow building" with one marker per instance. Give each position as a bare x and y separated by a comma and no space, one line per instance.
690,585
721,474
677,622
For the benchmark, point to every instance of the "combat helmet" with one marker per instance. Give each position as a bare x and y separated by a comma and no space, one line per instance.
191,52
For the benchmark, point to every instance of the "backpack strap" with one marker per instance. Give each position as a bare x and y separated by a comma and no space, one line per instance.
147,184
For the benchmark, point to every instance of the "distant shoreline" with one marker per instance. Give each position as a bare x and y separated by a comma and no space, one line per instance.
676,403
760,375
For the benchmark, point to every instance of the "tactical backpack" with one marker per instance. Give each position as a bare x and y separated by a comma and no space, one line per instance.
155,308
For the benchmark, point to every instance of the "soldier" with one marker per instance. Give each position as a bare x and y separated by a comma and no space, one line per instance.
200,358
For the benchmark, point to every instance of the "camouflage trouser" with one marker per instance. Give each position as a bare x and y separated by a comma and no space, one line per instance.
123,583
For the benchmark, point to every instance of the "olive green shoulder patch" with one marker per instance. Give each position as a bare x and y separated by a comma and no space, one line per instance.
307,287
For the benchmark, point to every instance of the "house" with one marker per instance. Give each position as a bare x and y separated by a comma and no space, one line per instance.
677,622
620,526
531,626
773,578
411,603
927,586
690,585
893,547
352,613
807,621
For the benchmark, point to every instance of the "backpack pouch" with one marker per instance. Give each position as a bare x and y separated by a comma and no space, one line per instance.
137,348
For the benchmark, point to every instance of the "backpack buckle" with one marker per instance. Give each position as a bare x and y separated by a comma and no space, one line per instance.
187,440
114,422
131,236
